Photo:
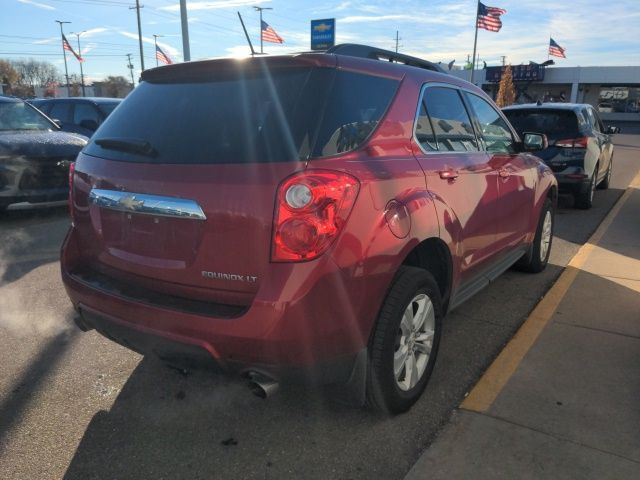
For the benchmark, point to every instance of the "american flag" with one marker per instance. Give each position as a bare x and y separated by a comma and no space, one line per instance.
163,57
67,46
489,17
269,34
555,49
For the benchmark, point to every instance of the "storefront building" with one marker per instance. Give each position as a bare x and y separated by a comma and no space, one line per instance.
614,91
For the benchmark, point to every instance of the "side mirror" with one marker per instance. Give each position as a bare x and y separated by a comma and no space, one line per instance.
57,122
534,142
89,124
611,130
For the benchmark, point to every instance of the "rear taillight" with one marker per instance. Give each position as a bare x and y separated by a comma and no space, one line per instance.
72,171
311,209
580,142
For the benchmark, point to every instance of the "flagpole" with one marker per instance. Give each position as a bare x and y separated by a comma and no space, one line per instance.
64,53
155,42
475,42
260,9
80,62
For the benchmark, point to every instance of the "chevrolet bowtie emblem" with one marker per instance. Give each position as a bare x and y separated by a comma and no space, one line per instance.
322,27
130,203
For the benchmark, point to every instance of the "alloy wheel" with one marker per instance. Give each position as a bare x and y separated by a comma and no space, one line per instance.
414,342
545,238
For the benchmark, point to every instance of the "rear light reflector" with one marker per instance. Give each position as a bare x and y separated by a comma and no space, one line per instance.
580,142
311,209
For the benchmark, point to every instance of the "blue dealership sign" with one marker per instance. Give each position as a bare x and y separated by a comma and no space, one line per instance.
323,34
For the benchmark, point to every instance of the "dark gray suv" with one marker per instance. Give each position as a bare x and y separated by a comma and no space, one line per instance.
77,115
580,150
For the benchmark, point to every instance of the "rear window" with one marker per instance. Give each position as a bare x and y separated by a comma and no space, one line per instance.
254,116
555,124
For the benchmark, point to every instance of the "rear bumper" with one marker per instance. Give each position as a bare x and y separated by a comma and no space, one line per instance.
572,185
304,321
185,354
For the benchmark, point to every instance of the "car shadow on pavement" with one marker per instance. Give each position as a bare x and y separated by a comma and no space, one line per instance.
31,380
165,424
577,232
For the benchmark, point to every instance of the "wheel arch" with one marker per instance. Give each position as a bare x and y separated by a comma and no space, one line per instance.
434,256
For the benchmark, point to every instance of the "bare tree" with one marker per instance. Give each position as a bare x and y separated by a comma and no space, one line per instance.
115,86
34,73
8,76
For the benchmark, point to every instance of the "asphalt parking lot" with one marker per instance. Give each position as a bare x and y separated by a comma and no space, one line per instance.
76,406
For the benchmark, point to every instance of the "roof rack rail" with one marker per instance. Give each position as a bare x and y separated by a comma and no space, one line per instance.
365,51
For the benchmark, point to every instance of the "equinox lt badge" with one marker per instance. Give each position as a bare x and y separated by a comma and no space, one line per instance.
230,276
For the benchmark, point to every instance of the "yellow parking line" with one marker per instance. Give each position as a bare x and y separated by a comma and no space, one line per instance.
498,374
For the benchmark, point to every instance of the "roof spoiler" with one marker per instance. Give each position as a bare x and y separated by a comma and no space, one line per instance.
365,51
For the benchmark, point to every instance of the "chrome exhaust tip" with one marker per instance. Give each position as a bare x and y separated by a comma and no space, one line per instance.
261,385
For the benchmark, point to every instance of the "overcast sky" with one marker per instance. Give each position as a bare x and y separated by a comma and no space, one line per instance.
592,32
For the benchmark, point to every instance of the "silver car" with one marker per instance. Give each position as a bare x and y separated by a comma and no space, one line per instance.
580,150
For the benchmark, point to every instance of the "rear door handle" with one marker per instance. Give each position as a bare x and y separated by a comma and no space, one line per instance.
449,174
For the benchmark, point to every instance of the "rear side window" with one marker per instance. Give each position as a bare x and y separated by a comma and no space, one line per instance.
424,130
494,130
61,111
595,120
85,111
107,108
252,115
450,120
555,124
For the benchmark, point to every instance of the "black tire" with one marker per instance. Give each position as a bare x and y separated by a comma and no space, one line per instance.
584,200
604,184
383,391
535,262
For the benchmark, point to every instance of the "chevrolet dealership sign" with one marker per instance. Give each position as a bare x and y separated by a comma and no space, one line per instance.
323,34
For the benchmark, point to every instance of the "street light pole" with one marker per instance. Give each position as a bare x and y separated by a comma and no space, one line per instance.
64,53
155,42
260,9
80,61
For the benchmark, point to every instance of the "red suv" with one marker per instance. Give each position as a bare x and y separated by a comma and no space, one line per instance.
312,215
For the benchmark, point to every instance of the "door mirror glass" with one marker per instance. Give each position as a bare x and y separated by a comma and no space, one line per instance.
611,130
535,141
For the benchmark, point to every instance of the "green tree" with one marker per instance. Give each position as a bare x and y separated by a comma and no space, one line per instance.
506,91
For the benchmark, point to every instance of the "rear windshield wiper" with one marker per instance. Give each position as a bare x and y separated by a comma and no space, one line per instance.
132,145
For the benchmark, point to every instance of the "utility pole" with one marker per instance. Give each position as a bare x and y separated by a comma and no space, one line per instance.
64,53
155,42
504,57
397,40
186,51
130,67
260,9
137,9
80,61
